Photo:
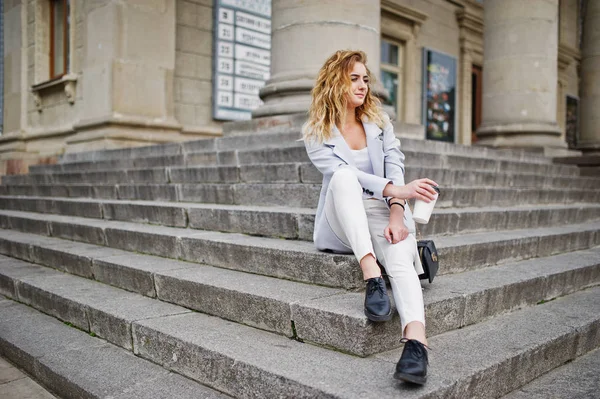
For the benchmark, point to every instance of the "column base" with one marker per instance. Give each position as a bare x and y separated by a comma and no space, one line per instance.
283,105
521,135
283,96
288,123
124,131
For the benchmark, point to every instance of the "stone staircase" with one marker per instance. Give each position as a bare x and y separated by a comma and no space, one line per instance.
192,263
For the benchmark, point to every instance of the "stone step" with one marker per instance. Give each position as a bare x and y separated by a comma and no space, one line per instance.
205,145
293,223
290,139
280,258
203,158
246,362
413,159
576,379
292,195
16,384
589,171
294,173
325,316
73,364
297,153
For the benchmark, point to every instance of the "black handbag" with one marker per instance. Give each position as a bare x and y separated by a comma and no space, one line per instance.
429,259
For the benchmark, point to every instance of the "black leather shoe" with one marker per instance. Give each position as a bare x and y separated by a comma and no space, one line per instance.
377,302
412,366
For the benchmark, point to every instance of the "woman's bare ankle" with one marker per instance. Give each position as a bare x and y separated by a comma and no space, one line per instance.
416,330
369,267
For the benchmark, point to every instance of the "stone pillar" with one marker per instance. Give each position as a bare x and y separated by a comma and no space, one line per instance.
128,69
15,64
520,74
465,67
590,79
470,22
13,156
304,34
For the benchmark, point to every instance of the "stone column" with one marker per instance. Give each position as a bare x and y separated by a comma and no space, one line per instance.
127,77
470,22
520,74
465,66
590,79
304,34
15,49
13,155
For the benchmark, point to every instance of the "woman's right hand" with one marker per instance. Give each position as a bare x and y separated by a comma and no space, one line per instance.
421,189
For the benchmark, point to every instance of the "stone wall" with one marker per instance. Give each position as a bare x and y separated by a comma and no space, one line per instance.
569,58
419,24
93,113
12,66
439,32
569,35
50,112
193,66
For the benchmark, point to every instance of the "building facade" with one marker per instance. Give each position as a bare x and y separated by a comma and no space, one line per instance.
84,75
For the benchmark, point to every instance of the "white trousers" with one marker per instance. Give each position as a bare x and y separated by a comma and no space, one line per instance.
359,224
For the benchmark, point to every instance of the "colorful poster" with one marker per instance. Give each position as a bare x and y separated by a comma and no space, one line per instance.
439,95
572,121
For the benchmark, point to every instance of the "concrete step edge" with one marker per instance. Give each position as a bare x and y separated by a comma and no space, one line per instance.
73,364
575,379
168,171
238,155
277,258
262,208
320,315
290,138
564,329
291,223
304,195
166,341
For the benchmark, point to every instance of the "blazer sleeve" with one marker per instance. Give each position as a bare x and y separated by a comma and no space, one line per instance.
324,159
393,158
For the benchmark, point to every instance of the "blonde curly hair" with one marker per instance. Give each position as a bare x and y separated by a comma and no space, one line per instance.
328,105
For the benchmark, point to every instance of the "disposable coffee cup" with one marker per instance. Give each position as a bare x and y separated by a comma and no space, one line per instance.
423,210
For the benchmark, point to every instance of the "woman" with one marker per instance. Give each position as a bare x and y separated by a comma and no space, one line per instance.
362,208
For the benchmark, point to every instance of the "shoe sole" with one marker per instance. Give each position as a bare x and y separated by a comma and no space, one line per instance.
373,317
414,379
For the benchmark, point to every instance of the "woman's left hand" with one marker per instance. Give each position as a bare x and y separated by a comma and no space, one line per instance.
395,232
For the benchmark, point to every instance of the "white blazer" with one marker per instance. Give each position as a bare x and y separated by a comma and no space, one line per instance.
388,166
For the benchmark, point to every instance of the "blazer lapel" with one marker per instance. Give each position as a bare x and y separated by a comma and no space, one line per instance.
375,147
340,147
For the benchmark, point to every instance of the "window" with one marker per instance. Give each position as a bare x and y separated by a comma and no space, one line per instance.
59,38
392,73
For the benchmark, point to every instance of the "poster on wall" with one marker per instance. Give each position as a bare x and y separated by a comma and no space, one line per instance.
439,95
572,121
242,56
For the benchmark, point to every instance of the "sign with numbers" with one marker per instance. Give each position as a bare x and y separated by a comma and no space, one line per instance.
242,56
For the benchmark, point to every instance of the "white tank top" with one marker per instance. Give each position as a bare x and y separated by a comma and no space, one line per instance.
363,163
